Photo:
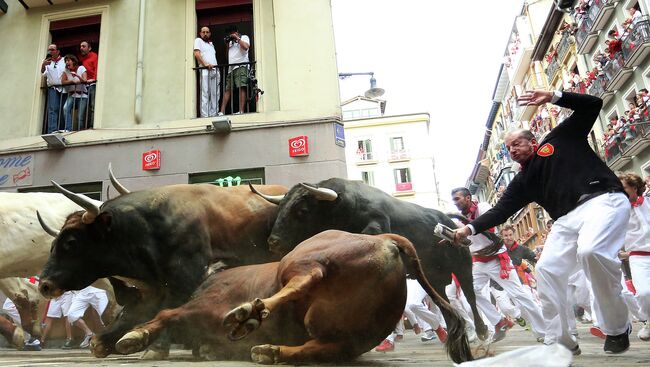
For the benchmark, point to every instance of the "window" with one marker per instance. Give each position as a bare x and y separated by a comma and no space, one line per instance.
368,178
91,189
364,150
397,144
229,178
403,179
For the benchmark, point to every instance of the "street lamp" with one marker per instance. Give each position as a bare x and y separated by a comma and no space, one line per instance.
373,92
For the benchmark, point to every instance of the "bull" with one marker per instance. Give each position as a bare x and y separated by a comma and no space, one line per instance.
11,332
160,240
355,207
332,298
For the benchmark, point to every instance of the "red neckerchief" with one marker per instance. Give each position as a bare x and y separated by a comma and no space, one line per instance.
57,59
472,211
638,201
514,246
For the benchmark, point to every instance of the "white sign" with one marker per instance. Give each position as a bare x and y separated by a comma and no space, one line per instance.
16,170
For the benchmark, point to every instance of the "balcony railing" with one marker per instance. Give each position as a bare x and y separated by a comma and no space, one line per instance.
552,68
625,139
638,34
238,81
563,46
597,87
404,186
397,155
595,8
584,28
364,156
613,66
69,107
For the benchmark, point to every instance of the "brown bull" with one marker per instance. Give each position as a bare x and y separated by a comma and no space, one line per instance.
332,298
11,332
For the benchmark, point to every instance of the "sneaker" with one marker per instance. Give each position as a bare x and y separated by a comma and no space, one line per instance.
417,329
595,331
644,333
399,338
86,342
615,344
69,344
385,346
428,336
521,321
500,329
33,345
442,334
219,113
237,113
540,339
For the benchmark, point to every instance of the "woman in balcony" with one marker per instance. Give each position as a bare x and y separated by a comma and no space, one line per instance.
74,79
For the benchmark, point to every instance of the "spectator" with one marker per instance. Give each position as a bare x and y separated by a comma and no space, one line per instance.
52,68
614,44
206,59
238,46
88,59
58,309
89,296
647,186
74,79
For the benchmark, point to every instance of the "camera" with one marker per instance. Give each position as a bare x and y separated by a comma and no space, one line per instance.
229,38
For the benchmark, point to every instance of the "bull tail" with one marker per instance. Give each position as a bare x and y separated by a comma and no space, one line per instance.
457,345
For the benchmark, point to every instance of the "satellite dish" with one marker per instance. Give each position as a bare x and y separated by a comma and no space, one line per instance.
374,92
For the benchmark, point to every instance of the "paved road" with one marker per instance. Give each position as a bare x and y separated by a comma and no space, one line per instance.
410,352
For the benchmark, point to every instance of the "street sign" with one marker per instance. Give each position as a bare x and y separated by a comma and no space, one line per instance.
339,135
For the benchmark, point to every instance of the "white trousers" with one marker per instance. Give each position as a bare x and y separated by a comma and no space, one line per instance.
89,296
640,266
209,92
531,311
60,306
460,304
415,305
505,304
591,234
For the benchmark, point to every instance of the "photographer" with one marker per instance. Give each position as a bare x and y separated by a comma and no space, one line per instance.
238,46
52,68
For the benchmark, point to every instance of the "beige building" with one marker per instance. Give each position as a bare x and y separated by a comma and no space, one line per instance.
391,153
145,107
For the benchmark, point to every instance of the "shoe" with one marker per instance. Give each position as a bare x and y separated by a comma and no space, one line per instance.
615,344
237,113
69,344
576,351
644,333
471,335
595,331
428,336
219,113
521,321
417,329
500,329
442,334
399,338
86,342
385,346
33,345
540,339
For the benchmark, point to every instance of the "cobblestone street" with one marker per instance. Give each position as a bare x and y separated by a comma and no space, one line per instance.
410,352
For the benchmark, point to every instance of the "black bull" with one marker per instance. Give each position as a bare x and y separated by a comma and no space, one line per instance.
355,207
161,240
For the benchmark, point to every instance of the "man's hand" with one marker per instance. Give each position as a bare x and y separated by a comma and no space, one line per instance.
209,66
461,233
534,98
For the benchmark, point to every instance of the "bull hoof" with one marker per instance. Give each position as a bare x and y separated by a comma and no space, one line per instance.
132,342
245,318
155,354
265,354
98,348
18,338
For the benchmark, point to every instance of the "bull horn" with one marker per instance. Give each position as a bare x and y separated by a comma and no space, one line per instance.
51,231
321,193
118,186
91,206
271,199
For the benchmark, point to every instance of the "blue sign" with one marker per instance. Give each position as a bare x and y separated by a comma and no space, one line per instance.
339,135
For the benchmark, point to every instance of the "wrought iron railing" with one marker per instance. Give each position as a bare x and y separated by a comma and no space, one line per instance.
563,46
638,34
613,66
69,107
583,30
597,87
625,138
552,68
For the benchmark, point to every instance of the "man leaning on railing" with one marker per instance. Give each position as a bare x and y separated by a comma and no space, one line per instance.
206,58
52,68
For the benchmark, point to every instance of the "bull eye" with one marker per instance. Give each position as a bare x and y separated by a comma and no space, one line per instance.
69,244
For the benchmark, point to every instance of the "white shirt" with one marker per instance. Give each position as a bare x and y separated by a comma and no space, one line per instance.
53,72
76,90
637,237
236,54
480,241
207,51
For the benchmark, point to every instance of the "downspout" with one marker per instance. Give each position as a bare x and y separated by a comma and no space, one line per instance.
140,65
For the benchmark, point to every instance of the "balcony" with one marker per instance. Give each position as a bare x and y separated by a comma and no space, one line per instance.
634,140
564,46
636,44
532,82
616,72
597,88
72,110
211,85
404,187
364,158
585,37
552,69
600,13
399,155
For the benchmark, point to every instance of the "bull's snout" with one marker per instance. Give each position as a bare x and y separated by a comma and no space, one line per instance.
274,244
48,289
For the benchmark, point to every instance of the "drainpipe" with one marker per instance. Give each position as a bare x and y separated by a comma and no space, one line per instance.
140,65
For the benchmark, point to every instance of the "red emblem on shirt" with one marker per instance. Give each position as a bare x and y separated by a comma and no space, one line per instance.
545,150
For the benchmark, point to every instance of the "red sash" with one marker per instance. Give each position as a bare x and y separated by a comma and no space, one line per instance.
504,262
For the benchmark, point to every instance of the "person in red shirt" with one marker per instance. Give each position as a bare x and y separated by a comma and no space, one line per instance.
88,58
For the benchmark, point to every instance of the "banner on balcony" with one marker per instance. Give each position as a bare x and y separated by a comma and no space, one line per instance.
151,160
299,146
16,170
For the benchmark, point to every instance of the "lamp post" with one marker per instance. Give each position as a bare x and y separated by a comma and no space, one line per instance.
373,92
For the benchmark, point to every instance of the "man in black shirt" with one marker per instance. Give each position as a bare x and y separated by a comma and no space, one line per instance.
584,197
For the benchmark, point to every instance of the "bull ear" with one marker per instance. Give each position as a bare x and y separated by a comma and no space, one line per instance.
271,199
118,186
321,193
51,231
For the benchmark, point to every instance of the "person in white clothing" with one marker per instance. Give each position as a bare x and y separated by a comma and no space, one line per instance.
637,244
206,58
52,69
74,81
238,46
81,300
491,262
58,309
434,320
